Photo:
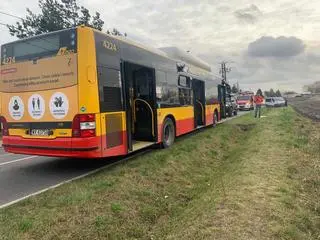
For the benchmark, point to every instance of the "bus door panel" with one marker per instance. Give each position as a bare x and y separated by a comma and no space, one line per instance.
222,100
144,104
139,85
198,102
128,95
113,133
112,117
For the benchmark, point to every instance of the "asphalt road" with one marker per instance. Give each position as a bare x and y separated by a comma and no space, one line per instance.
21,175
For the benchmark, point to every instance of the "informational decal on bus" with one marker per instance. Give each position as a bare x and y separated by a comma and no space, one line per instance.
41,74
16,107
36,106
49,105
59,105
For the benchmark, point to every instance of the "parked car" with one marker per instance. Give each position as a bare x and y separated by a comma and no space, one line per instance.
231,106
281,102
245,102
275,102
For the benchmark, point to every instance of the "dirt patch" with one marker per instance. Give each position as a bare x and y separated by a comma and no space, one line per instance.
246,127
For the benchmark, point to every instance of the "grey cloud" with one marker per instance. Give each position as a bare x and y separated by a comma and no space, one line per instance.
254,73
281,47
313,58
249,14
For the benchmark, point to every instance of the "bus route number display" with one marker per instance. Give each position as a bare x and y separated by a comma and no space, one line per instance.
109,45
8,60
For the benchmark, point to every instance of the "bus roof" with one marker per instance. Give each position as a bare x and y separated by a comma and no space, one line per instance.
179,54
196,66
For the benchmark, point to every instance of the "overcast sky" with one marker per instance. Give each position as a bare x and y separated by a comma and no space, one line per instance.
270,44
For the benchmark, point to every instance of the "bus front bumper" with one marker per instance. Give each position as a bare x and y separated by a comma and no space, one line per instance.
58,147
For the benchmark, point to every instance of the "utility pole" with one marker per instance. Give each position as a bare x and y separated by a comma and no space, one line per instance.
224,70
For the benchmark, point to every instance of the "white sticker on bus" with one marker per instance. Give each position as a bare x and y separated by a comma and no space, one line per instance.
59,105
36,106
16,107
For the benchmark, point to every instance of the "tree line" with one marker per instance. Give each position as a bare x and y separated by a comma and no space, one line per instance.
313,88
270,93
57,15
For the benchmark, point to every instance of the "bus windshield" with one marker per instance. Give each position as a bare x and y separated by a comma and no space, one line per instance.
44,62
39,47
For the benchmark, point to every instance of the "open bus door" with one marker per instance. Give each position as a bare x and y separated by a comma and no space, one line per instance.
199,103
140,105
222,100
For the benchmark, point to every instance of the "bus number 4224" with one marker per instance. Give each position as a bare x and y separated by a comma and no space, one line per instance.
8,60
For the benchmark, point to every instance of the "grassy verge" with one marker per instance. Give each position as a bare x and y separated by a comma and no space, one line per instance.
246,179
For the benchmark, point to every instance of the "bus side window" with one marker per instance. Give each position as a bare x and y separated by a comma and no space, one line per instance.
184,91
110,93
161,86
167,90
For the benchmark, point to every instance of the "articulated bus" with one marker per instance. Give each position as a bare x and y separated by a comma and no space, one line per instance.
82,93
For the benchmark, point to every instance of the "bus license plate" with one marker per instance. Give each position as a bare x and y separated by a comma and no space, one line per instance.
39,132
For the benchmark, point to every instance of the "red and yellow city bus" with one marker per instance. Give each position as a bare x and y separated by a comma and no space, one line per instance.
82,93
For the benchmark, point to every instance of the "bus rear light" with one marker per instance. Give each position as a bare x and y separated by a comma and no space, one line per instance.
88,133
84,125
86,117
87,125
4,123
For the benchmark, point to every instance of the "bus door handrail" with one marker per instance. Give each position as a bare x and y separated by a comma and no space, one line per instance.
152,115
202,110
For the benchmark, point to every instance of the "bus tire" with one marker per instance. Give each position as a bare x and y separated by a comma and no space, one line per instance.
168,133
235,113
215,119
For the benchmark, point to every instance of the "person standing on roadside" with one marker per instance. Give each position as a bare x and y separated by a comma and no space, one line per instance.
258,101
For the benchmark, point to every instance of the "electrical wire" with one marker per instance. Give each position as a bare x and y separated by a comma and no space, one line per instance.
15,16
10,15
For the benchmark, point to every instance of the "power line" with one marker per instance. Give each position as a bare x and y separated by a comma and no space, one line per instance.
15,16
11,15
3,24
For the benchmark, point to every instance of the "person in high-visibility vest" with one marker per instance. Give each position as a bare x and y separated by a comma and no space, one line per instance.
258,101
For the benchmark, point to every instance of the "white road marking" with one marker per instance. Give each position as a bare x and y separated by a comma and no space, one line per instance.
52,187
78,177
7,154
72,179
17,160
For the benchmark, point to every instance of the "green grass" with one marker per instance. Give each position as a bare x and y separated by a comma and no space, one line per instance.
246,179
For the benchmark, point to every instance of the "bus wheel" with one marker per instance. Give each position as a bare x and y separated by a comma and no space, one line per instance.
168,133
235,113
215,119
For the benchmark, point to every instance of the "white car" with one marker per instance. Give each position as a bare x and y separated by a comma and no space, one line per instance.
275,102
